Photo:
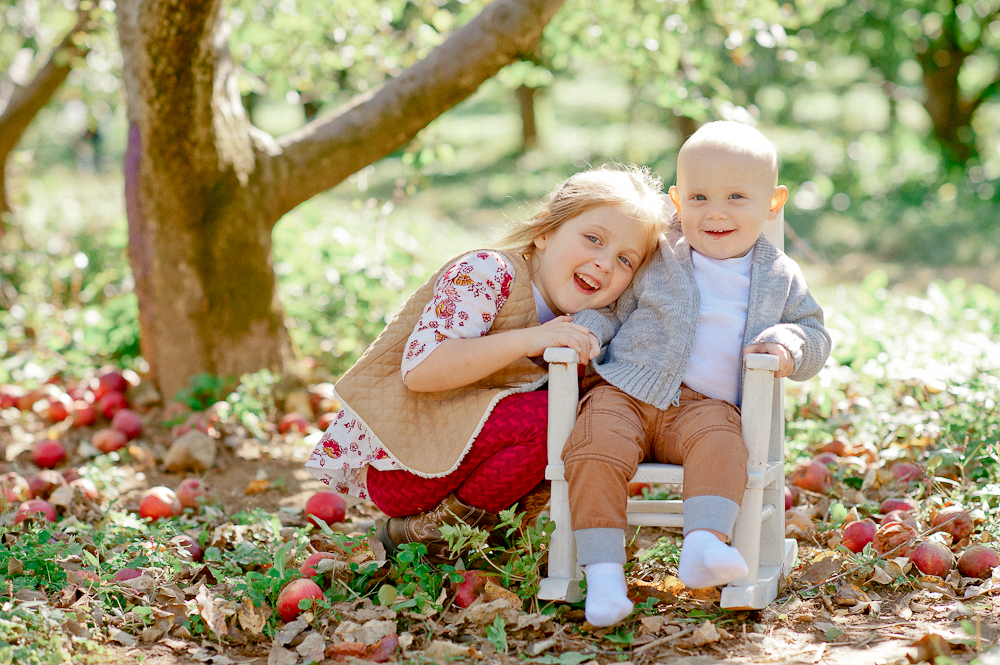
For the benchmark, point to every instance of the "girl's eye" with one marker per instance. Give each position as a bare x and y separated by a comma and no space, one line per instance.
624,259
593,239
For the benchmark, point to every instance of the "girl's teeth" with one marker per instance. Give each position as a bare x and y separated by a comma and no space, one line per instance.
586,280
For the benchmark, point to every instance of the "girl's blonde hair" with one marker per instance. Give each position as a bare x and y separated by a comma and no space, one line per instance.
633,189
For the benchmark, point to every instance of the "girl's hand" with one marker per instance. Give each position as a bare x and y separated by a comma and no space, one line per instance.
786,365
561,331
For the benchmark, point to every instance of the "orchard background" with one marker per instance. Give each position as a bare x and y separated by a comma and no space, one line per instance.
279,175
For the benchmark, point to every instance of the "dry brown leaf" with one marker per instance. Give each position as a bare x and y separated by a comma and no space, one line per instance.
496,592
821,568
257,486
210,612
710,594
252,618
850,594
928,648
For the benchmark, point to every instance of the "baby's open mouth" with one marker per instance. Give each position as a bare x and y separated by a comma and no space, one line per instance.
586,283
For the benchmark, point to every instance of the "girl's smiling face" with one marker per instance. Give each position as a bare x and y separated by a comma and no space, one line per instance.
588,261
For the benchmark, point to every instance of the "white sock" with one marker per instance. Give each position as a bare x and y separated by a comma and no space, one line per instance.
706,561
607,594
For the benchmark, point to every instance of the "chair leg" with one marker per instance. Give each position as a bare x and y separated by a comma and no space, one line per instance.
564,575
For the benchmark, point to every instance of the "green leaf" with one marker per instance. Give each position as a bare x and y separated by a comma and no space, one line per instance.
387,595
497,634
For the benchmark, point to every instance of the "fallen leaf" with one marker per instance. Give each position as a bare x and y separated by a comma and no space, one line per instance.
257,486
929,648
252,618
369,633
710,594
496,592
279,655
209,611
312,648
442,650
345,650
703,634
850,594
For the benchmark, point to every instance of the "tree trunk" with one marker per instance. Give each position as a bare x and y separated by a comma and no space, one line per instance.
204,188
20,103
951,114
529,130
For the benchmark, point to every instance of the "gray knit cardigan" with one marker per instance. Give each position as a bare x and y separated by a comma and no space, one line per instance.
651,328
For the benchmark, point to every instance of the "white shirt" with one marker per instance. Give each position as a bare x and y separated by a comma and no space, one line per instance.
717,356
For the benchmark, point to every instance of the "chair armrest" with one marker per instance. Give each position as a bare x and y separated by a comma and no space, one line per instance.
755,361
564,354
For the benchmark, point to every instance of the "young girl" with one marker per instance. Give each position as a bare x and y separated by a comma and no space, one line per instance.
442,418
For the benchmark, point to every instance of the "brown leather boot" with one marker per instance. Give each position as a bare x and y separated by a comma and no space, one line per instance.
533,503
424,528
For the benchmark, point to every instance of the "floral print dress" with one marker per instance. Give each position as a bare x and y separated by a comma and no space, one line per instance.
466,300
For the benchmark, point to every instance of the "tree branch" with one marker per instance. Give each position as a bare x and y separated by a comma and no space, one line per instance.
19,104
328,150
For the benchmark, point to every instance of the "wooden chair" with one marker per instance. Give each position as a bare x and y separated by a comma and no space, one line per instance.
759,533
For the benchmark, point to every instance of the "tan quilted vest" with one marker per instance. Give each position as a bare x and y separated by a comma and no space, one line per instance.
430,433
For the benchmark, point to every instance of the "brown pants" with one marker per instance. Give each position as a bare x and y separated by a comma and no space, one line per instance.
615,432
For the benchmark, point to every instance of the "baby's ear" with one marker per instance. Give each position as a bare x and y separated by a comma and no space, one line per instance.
778,200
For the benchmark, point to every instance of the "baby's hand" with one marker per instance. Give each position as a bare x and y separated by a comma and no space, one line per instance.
786,365
561,331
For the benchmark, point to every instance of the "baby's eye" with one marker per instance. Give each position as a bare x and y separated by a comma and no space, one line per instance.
737,196
699,197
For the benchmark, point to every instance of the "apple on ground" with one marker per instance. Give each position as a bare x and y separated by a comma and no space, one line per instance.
791,496
35,508
86,487
897,503
325,420
827,458
9,394
955,520
70,474
42,484
858,534
109,381
900,516
932,558
635,489
292,422
188,546
292,594
329,507
812,476
111,403
128,423
894,537
59,408
84,414
978,561
906,472
840,447
48,453
190,491
472,585
308,567
126,574
108,440
159,502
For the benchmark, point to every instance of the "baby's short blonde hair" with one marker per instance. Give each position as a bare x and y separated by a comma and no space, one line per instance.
634,190
735,138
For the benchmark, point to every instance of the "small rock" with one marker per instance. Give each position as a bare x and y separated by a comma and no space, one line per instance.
194,451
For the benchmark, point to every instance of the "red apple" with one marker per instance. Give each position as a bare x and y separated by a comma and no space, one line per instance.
840,447
111,403
128,423
84,414
955,520
108,440
900,516
327,506
308,567
292,422
791,496
932,558
127,574
110,381
189,491
33,507
978,561
469,588
827,458
42,484
187,546
326,420
906,472
159,502
48,454
857,534
890,536
295,592
9,395
635,489
59,409
813,476
86,487
897,503
26,401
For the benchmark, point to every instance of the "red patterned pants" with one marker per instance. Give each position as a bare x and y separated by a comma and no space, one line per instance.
506,460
